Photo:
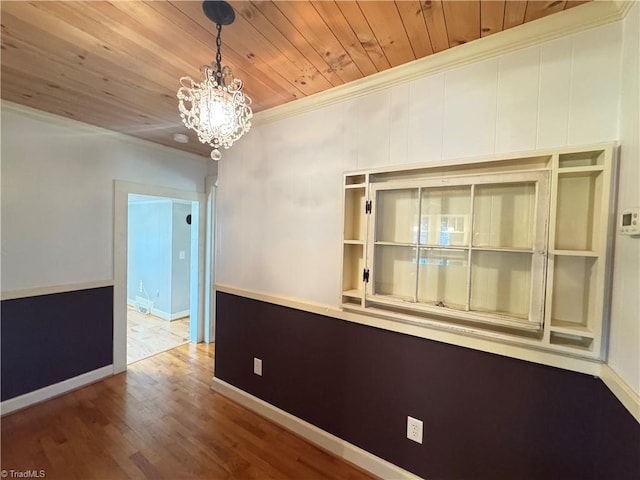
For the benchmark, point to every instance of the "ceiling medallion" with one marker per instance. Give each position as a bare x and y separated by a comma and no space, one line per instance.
216,108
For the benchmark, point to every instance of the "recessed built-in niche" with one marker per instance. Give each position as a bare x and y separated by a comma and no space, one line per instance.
569,340
578,211
574,292
355,223
353,265
581,159
354,180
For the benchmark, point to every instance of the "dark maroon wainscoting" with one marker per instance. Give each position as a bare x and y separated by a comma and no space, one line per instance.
50,338
485,416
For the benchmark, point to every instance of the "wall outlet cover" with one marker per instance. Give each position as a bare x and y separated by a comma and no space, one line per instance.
257,366
414,429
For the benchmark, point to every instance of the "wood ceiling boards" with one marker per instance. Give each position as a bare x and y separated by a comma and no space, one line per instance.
117,64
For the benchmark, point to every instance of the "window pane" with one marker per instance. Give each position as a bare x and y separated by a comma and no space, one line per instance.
445,216
397,216
442,277
501,283
395,271
504,215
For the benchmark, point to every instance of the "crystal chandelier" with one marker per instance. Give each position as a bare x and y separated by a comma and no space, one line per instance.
216,109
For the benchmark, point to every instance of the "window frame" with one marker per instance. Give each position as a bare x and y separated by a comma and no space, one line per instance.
538,251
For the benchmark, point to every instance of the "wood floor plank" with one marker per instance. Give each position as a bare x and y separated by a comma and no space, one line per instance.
148,334
160,419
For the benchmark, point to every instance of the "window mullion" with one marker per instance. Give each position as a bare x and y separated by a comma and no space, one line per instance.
415,291
467,306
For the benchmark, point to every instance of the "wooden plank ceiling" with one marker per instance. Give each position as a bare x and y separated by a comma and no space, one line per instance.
117,64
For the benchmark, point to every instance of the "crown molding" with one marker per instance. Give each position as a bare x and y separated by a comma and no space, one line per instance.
554,26
89,129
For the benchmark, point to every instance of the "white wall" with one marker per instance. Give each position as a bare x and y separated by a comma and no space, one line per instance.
624,344
279,196
280,187
57,195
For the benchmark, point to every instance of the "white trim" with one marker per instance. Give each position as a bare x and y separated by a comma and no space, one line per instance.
162,201
48,290
470,162
197,270
54,390
182,314
560,24
170,316
622,390
211,188
313,434
444,333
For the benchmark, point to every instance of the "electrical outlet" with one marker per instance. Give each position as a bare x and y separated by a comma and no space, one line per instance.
414,429
257,366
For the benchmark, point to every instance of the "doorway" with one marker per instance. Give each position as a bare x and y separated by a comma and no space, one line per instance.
158,274
124,298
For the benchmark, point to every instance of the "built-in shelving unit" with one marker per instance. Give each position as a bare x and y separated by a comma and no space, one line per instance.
578,246
353,240
513,248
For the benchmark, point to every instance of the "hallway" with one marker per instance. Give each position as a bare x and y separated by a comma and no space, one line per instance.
148,335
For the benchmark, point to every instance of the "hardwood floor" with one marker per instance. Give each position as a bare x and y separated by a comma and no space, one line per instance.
159,420
148,334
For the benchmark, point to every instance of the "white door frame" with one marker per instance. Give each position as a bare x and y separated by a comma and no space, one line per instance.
120,236
211,187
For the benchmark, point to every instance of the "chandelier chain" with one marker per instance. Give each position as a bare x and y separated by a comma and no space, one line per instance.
218,54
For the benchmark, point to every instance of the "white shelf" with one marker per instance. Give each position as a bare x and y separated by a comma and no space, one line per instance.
570,328
431,311
575,253
570,170
352,293
570,343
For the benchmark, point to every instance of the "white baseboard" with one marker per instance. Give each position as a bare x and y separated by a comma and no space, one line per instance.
620,388
313,434
182,314
54,390
170,317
